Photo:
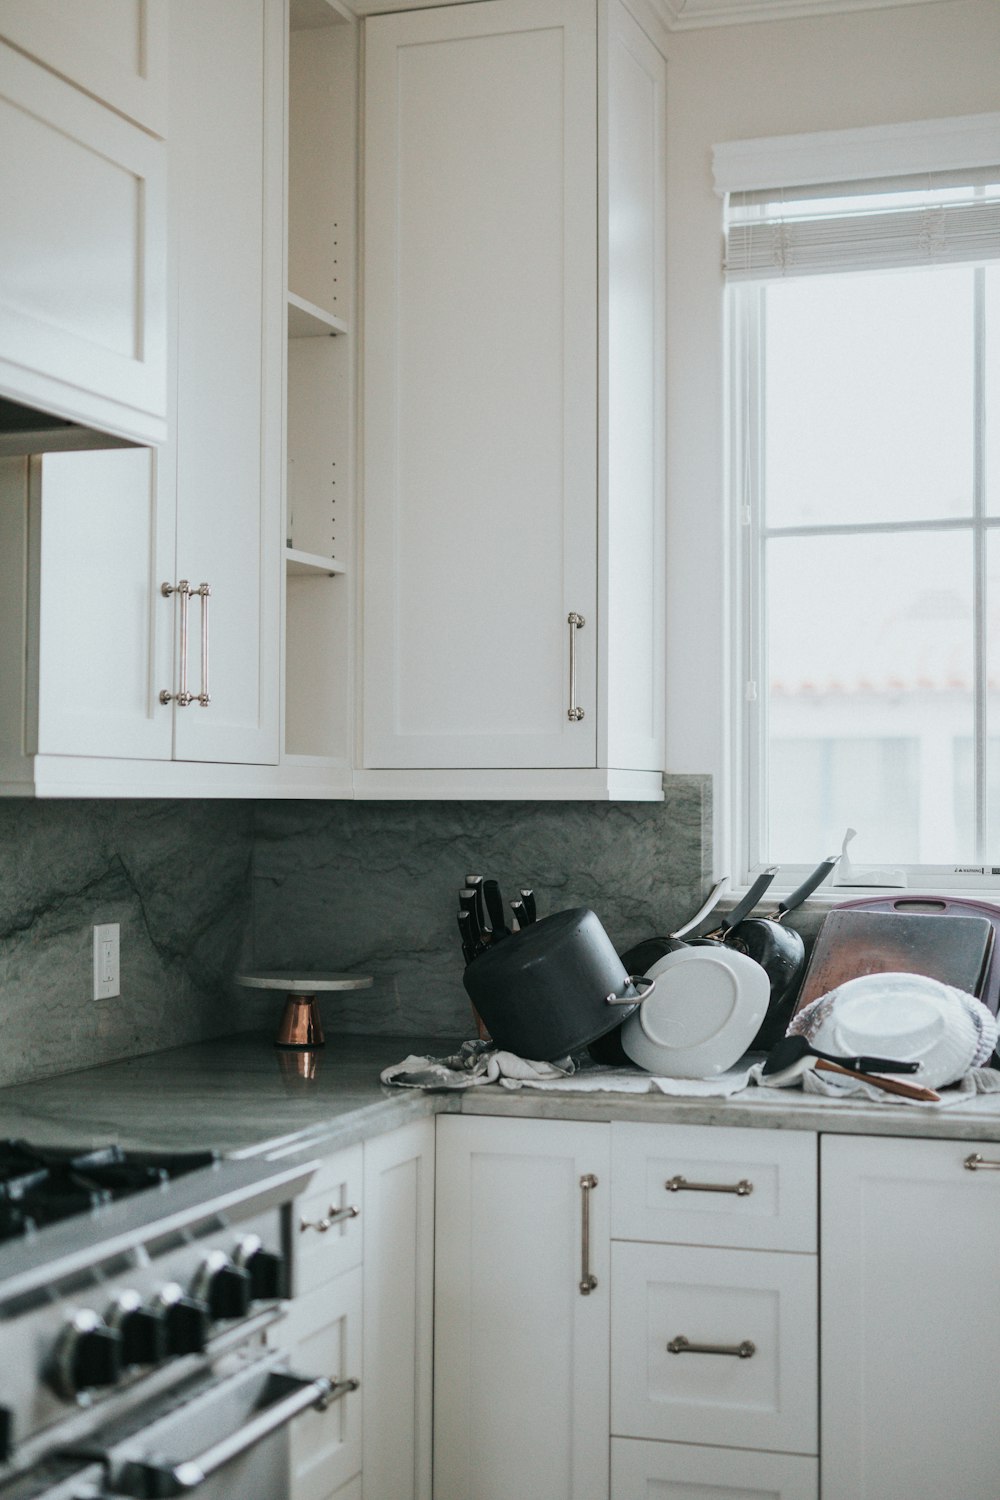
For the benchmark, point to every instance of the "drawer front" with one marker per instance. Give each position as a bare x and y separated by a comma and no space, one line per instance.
752,1189
679,1471
327,1239
322,1336
724,1299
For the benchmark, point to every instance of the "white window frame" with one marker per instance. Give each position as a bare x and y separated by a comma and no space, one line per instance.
802,161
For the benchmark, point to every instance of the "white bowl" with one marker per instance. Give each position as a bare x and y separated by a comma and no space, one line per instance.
905,1016
704,1013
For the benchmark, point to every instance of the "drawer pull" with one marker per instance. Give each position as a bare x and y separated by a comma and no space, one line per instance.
588,1280
742,1189
333,1216
977,1163
682,1345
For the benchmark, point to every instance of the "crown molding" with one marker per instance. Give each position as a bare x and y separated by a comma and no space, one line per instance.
686,15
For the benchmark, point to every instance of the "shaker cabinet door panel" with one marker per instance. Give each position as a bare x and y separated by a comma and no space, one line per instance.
225,173
480,452
521,1354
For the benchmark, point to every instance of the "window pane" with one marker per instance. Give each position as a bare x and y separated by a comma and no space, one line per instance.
993,389
992,841
868,395
870,659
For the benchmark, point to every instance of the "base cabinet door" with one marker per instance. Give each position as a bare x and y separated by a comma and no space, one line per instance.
910,1319
677,1471
399,1309
521,1310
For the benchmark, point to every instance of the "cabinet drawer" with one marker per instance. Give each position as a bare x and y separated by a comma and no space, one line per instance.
678,1471
322,1335
318,1253
755,1189
728,1298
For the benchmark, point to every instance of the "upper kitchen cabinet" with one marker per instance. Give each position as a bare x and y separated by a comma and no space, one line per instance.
317,746
514,402
140,598
83,180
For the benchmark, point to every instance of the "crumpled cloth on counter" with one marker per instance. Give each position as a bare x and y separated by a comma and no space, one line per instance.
480,1062
976,1081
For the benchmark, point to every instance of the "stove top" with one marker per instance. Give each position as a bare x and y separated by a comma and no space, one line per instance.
41,1185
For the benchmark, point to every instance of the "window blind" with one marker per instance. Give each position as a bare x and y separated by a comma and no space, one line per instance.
864,227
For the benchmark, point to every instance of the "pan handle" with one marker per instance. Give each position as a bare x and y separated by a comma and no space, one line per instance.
808,886
709,905
746,905
633,982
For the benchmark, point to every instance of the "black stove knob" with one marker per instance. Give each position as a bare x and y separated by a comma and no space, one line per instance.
224,1285
144,1336
268,1270
87,1357
187,1319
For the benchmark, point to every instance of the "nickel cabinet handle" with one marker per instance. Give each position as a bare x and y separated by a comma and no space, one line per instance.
575,622
204,591
588,1280
742,1189
681,1345
185,592
977,1163
333,1216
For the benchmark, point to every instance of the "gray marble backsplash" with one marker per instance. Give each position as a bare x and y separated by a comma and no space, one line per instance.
202,889
373,887
176,876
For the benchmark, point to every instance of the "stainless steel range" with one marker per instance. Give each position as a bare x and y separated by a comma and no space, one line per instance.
135,1294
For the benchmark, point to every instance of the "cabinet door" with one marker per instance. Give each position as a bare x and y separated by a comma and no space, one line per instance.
521,1353
677,1471
225,155
480,397
117,52
399,1309
83,256
910,1319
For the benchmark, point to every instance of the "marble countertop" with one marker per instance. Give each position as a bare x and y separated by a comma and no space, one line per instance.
239,1096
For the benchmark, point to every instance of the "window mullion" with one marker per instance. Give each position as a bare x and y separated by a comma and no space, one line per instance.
980,541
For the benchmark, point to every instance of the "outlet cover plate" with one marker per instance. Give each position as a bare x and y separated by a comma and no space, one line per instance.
107,975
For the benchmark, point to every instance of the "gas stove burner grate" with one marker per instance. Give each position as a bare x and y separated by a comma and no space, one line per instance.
42,1185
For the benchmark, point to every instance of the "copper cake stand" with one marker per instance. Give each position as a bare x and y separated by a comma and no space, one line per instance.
301,1028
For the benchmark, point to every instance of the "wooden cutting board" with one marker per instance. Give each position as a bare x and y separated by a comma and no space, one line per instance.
955,950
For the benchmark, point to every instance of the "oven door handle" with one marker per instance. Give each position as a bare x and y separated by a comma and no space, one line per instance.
145,1480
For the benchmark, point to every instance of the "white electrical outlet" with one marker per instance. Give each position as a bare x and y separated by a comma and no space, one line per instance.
107,977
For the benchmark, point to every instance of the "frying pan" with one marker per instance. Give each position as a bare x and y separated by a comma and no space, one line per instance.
642,957
781,953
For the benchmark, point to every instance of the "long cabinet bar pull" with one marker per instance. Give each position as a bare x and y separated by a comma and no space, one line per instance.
682,1345
588,1280
977,1163
334,1216
742,1189
182,697
575,622
204,591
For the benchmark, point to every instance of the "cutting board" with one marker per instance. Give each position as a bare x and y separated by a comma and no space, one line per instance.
954,949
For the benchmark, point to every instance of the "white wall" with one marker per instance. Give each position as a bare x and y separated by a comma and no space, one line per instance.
732,83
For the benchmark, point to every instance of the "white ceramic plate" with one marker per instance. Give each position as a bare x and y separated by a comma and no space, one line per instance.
908,1016
704,1013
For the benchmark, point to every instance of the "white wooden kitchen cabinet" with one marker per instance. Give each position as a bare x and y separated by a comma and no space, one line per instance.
911,1324
83,233
98,543
521,1350
399,1313
513,402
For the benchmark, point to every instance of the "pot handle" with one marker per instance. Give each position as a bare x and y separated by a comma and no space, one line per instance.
633,981
807,887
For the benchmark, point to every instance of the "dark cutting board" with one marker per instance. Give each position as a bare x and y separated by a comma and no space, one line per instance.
955,950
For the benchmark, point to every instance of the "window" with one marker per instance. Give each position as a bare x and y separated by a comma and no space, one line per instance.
865,395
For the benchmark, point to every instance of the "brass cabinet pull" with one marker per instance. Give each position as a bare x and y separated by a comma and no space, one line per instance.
977,1163
588,1280
742,1189
334,1216
681,1345
575,622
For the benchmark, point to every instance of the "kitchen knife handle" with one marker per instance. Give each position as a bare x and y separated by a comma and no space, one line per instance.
575,622
887,1085
528,898
588,1280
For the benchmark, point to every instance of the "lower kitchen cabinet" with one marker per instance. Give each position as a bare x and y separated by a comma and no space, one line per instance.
521,1310
677,1471
911,1325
